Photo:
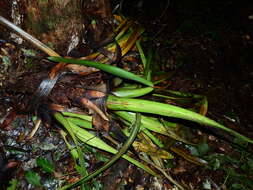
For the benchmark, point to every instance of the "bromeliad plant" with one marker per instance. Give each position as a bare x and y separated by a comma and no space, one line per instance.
146,118
146,106
124,103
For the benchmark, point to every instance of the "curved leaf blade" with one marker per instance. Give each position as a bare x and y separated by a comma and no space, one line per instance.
132,93
106,68
147,106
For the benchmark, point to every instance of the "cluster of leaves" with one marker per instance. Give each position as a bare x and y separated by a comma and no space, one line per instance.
128,100
124,105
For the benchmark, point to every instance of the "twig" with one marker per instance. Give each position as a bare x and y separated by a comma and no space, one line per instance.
89,104
28,37
35,129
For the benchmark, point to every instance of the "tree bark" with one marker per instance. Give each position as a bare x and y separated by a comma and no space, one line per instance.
57,23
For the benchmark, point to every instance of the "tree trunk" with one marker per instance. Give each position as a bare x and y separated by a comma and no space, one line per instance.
57,23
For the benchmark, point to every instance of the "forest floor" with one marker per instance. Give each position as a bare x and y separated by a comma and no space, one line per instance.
209,52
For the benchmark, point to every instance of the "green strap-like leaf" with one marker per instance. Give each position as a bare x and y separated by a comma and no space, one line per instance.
67,124
104,67
96,142
77,115
121,152
153,125
132,93
146,106
80,122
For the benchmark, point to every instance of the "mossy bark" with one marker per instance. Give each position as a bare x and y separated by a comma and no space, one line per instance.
57,23
54,22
